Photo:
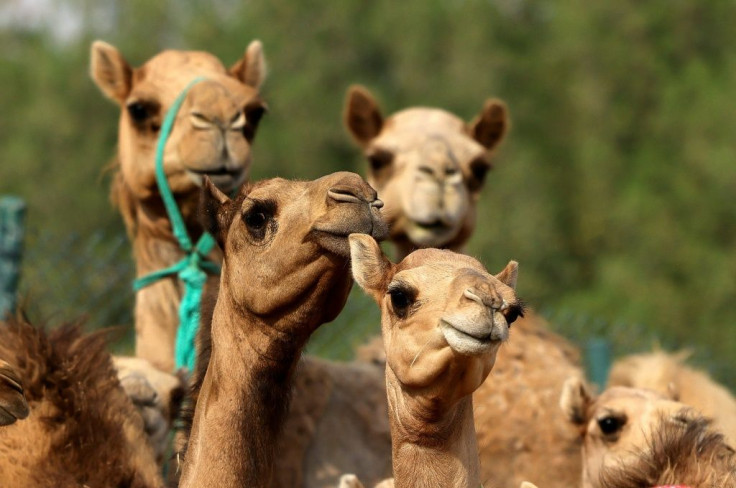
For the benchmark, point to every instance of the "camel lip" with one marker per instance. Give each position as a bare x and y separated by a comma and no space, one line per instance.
436,225
220,171
466,343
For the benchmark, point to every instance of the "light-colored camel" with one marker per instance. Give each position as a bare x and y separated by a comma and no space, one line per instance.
618,426
288,239
82,429
13,405
407,152
428,165
688,453
668,374
443,319
212,136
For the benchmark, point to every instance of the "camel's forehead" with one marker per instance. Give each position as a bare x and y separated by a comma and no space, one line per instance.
632,400
169,72
431,265
418,128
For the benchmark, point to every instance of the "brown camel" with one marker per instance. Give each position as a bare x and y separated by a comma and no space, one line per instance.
623,426
409,152
443,319
13,405
289,239
668,374
212,136
82,429
428,165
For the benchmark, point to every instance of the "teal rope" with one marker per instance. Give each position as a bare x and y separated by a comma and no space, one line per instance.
193,268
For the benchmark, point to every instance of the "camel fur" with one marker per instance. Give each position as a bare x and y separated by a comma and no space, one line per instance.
669,374
82,429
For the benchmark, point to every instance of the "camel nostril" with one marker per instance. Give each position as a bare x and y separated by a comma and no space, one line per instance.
344,194
470,294
426,170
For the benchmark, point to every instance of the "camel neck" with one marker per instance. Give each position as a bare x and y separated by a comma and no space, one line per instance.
431,449
157,305
242,403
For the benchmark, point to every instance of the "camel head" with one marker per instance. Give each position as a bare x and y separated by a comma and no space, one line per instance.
13,405
616,425
288,240
214,128
427,165
443,317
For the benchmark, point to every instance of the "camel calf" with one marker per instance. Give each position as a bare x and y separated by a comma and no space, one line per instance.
443,319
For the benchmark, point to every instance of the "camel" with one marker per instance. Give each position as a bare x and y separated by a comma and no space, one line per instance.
632,432
13,404
290,239
81,428
668,374
405,152
212,136
682,454
427,165
443,320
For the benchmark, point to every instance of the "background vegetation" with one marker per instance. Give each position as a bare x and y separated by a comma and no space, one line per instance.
615,190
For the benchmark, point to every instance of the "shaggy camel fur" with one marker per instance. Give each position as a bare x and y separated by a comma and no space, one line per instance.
443,319
429,164
536,442
212,136
82,429
668,374
628,428
289,238
689,454
13,405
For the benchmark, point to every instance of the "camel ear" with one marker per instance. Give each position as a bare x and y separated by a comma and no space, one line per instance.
491,125
251,68
370,266
575,399
509,274
110,71
362,115
211,211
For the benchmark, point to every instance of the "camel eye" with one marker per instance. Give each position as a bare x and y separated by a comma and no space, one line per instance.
139,112
512,313
402,298
380,159
610,425
259,217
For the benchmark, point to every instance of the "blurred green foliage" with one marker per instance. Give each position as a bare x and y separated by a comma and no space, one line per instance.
615,190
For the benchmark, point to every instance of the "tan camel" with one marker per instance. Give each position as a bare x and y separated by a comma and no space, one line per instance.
82,429
443,319
429,164
618,426
290,239
13,405
403,151
668,374
212,136
687,453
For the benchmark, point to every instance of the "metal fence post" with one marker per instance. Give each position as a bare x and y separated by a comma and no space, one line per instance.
12,212
598,359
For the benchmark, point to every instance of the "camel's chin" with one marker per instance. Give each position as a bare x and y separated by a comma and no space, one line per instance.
225,181
430,236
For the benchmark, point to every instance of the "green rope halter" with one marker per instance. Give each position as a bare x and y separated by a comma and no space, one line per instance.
193,268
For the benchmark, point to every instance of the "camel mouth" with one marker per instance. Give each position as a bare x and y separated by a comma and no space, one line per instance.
437,225
224,179
469,342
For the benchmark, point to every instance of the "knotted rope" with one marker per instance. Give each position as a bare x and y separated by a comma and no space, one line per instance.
192,269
